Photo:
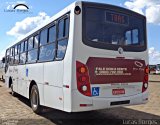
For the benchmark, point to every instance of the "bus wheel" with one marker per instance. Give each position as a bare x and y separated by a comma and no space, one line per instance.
12,92
34,100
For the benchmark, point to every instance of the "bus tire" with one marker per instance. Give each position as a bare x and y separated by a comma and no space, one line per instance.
2,78
34,100
12,92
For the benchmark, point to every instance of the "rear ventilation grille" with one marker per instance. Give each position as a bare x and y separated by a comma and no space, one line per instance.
120,102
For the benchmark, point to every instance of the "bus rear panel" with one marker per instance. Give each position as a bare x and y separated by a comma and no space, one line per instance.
111,63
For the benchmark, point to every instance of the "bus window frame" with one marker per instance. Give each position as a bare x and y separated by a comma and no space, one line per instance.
32,36
18,44
54,23
100,45
61,39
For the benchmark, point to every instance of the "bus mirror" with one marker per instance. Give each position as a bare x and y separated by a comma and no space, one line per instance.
3,60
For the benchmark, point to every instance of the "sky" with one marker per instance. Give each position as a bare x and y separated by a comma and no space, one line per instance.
13,25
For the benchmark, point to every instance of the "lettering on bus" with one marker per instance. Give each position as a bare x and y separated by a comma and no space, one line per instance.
47,52
118,18
14,70
111,71
138,66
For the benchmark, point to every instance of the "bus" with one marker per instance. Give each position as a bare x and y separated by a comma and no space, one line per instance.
89,56
158,69
154,69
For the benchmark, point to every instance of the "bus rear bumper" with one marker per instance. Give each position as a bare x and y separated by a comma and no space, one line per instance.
82,103
101,103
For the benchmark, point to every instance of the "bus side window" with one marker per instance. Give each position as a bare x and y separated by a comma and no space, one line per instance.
32,56
52,34
30,43
47,50
43,37
32,52
63,31
7,59
26,45
8,52
22,47
66,22
36,41
11,60
23,53
16,60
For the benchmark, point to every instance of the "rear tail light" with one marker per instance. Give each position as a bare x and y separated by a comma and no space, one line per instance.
82,70
83,78
84,88
146,78
145,81
83,82
147,70
145,85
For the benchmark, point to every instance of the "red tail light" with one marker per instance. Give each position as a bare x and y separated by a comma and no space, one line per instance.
145,81
147,70
82,69
83,78
146,78
83,82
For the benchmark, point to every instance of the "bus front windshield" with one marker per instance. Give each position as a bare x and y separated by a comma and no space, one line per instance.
109,27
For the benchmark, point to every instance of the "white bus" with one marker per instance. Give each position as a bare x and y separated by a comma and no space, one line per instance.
89,56
154,69
158,69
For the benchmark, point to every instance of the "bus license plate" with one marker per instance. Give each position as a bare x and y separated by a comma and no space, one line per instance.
118,91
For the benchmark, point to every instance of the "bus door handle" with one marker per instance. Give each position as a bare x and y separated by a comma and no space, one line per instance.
46,83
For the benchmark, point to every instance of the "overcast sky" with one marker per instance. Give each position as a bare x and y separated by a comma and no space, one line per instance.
14,24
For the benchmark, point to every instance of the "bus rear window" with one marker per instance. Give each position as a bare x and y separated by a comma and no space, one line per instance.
111,29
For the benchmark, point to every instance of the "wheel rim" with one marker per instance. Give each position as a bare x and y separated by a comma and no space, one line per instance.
34,99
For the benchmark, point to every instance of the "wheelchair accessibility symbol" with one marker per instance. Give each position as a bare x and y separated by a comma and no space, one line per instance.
95,91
